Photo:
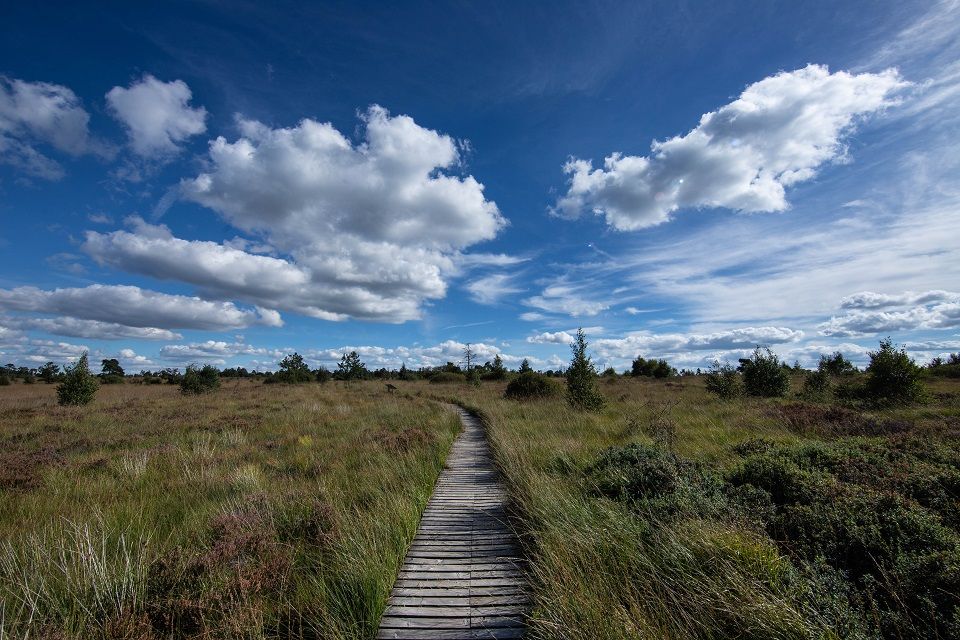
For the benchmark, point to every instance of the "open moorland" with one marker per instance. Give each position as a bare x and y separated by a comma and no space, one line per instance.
251,512
661,511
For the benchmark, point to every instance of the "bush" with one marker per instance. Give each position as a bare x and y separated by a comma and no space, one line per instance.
4,378
892,377
447,377
835,365
652,368
582,392
530,385
816,384
79,386
763,375
724,381
199,380
322,375
656,482
848,507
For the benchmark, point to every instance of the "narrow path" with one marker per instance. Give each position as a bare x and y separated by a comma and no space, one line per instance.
463,574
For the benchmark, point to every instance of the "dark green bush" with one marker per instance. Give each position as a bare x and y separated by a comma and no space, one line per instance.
763,375
657,483
652,368
79,386
447,377
857,507
835,365
892,377
724,381
4,378
199,380
816,384
530,385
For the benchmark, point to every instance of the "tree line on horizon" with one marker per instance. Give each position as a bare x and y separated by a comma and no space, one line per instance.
892,376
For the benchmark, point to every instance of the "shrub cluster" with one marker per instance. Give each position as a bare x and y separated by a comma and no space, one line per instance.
872,524
763,375
530,385
197,380
724,381
876,514
652,368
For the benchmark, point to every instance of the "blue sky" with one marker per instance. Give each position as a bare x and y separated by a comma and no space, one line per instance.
229,182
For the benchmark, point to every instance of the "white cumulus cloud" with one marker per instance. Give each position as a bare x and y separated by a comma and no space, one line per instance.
157,115
743,156
42,113
369,230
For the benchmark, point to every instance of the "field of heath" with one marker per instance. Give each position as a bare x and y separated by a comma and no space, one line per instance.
671,513
250,512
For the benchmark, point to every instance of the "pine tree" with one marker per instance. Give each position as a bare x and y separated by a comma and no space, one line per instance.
582,392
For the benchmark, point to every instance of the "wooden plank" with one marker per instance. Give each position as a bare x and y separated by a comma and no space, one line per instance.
463,576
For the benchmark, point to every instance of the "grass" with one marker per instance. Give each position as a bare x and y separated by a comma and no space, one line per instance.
252,512
284,511
707,557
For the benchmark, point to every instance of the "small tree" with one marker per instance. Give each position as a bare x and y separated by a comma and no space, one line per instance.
4,377
525,367
351,367
723,380
892,376
79,386
49,372
322,375
582,392
497,370
197,380
293,370
836,365
763,375
111,372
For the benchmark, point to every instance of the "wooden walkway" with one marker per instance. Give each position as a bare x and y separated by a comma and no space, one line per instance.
463,574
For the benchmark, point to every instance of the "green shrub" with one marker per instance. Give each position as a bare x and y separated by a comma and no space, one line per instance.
848,506
892,377
724,381
79,386
530,385
652,368
447,377
816,384
4,378
582,392
763,375
322,375
199,380
835,365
